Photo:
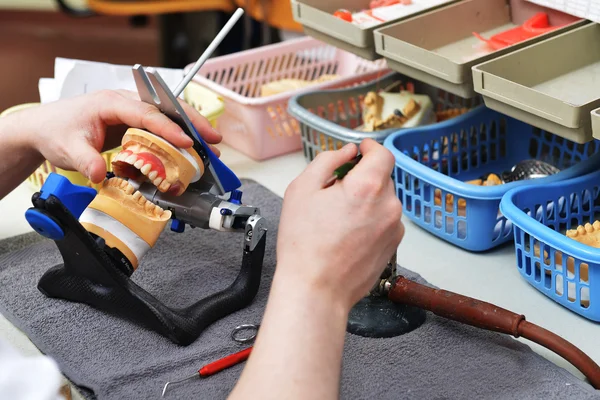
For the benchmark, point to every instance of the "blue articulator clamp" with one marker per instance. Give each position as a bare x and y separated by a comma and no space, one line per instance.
99,276
225,177
75,198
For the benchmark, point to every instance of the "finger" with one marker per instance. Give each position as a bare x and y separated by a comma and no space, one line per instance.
321,169
202,125
215,150
115,109
88,161
377,162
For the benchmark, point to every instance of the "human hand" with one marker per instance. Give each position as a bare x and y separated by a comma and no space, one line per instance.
339,239
71,133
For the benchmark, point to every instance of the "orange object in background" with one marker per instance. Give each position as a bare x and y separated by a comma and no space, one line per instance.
153,7
279,13
534,26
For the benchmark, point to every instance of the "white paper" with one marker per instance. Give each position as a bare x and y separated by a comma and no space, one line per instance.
77,77
586,9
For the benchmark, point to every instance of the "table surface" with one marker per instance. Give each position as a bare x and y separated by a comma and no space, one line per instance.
491,277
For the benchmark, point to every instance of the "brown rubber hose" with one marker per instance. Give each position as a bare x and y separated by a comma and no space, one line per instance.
490,317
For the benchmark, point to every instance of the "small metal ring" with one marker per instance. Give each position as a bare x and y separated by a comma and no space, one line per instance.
243,327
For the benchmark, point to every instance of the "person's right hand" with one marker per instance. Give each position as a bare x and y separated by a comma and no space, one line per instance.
337,240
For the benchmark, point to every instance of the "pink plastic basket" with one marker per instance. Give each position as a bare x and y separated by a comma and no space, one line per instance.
260,127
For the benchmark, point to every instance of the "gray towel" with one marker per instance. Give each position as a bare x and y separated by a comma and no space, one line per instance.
116,359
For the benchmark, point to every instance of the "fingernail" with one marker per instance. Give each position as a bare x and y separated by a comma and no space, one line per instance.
184,135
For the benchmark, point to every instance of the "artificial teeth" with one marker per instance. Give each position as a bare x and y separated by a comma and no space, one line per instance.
131,159
152,174
139,164
142,200
149,207
157,181
145,169
129,189
164,186
137,195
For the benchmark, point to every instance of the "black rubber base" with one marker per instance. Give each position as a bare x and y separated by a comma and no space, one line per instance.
378,317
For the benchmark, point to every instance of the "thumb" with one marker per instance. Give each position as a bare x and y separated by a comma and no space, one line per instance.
88,162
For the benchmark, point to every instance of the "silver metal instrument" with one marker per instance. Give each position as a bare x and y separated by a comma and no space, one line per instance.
529,169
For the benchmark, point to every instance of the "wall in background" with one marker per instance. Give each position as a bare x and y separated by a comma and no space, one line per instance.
31,40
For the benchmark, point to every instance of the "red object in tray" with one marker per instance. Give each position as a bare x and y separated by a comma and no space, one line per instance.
534,26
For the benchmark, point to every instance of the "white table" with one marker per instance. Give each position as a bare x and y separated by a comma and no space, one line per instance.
490,277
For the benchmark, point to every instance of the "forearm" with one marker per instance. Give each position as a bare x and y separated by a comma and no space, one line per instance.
18,158
298,352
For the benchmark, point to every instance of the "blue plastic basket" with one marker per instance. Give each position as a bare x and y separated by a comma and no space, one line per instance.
559,267
484,141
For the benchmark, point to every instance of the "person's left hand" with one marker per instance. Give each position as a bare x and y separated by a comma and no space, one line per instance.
71,133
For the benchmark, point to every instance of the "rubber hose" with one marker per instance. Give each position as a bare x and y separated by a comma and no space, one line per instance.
488,316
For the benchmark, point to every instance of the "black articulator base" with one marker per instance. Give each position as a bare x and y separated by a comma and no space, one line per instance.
90,275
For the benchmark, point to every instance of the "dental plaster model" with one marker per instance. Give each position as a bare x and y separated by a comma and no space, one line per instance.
588,234
120,214
125,219
285,85
450,113
396,110
490,180
168,168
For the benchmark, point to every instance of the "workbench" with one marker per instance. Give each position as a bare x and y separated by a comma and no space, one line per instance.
490,276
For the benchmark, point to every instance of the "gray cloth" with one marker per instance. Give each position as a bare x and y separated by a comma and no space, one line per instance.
119,360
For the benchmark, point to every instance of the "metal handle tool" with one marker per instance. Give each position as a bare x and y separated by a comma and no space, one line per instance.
227,361
153,90
215,366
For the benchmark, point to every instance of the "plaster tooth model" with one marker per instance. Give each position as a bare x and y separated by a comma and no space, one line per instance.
125,219
152,158
381,111
490,180
588,234
286,85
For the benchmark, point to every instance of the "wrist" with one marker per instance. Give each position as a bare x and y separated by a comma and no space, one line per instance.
322,294
17,131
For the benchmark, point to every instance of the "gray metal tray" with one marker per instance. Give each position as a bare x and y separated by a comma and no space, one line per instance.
445,55
554,84
596,123
316,17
